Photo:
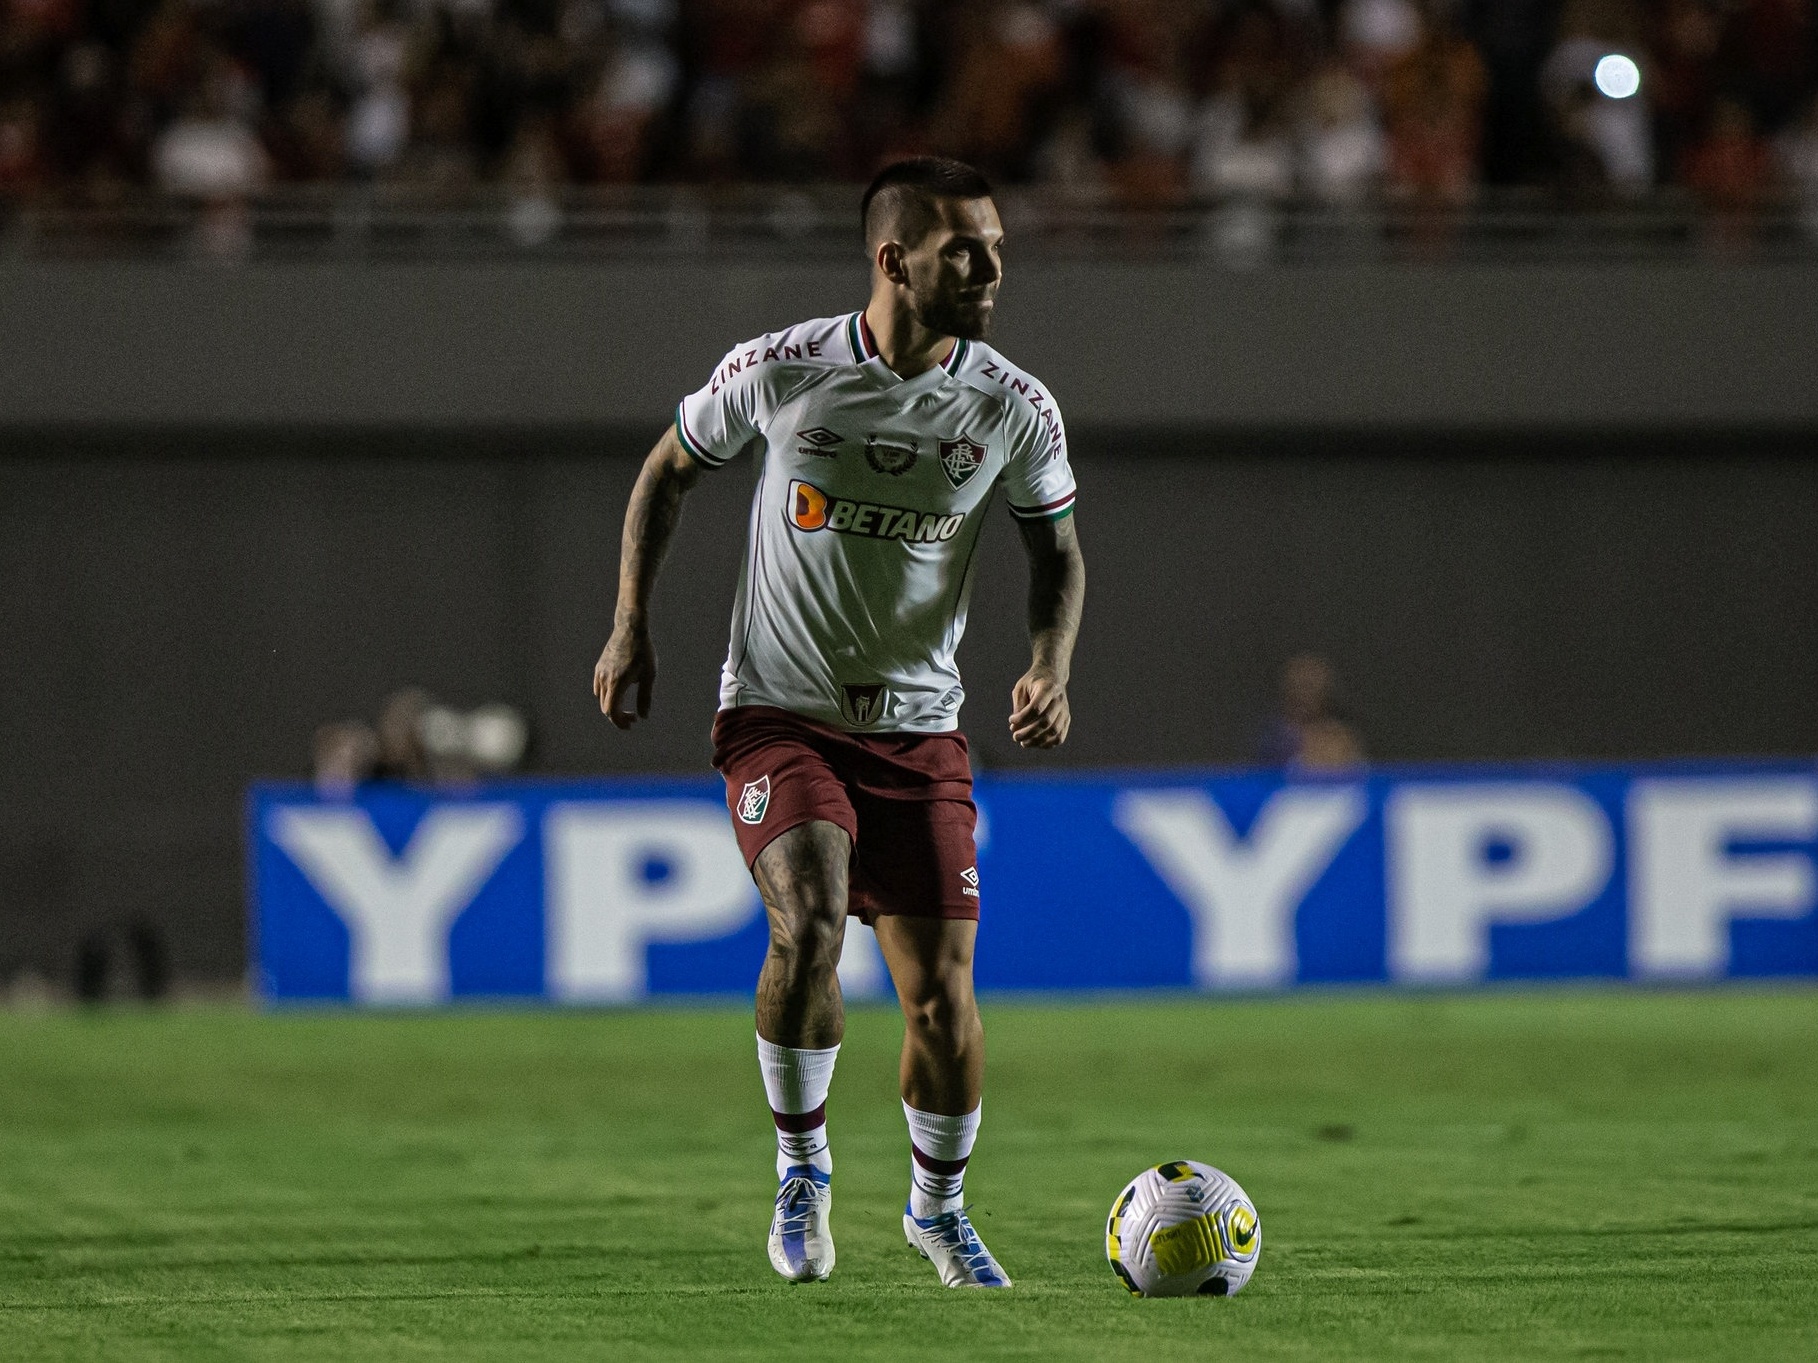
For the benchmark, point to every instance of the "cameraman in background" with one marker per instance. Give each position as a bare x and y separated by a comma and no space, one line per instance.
420,740
1311,733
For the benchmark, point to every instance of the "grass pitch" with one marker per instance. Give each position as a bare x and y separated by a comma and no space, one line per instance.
1571,1175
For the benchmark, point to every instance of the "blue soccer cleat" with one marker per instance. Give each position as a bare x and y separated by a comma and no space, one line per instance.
949,1242
801,1245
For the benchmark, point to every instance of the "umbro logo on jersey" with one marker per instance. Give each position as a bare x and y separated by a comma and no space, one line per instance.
894,457
970,876
820,441
960,459
811,509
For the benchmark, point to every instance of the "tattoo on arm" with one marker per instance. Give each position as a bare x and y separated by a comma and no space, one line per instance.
650,521
1057,592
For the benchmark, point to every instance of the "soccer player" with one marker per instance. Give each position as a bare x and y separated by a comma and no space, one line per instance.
883,435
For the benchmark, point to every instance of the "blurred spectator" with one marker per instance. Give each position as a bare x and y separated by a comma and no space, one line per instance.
401,755
1514,37
1243,141
1342,153
1768,57
1145,101
462,747
1729,169
346,753
418,739
1681,78
442,156
378,120
1798,152
22,165
1378,33
1002,89
794,128
210,154
1150,99
1311,733
131,960
1433,98
619,122
1604,137
1729,166
535,172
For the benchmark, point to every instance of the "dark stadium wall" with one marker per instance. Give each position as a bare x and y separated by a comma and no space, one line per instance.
180,611
543,344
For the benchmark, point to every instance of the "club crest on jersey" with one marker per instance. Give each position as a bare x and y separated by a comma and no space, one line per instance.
960,459
894,455
754,800
819,441
865,701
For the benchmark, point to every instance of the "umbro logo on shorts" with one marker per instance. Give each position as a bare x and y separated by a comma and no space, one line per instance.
811,509
970,876
754,800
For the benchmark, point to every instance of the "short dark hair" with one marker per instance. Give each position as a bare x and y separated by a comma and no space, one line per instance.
900,200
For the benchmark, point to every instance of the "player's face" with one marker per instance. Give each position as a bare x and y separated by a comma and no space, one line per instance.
955,269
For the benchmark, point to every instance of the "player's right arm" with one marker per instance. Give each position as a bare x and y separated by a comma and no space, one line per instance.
629,658
711,426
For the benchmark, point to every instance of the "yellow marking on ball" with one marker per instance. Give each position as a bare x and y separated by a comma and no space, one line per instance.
1240,1226
1188,1246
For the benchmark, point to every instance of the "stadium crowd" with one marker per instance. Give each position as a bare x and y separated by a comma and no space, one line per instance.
1139,100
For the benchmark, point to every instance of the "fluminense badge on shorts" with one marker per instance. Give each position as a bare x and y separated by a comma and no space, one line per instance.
754,800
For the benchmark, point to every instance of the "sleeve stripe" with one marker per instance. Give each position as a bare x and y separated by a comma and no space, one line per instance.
689,443
1053,511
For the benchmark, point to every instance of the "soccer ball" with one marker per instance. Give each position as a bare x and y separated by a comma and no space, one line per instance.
1183,1228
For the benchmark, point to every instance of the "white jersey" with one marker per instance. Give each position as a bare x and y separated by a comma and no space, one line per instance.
870,499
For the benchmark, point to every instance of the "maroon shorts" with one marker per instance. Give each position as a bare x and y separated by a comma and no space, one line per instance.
905,800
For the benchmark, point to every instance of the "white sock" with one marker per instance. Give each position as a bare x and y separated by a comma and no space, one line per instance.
796,1082
939,1147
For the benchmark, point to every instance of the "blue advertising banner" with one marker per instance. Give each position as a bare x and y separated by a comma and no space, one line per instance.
607,892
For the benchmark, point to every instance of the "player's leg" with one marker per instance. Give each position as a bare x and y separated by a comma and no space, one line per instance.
930,961
802,876
795,827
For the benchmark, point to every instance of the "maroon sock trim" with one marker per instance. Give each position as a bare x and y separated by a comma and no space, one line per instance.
797,1122
937,1166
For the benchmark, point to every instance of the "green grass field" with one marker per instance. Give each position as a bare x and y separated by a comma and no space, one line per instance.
1568,1175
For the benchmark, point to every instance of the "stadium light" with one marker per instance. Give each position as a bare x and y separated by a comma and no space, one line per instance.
1617,76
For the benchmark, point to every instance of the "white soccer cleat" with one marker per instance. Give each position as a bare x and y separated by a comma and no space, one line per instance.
801,1245
952,1246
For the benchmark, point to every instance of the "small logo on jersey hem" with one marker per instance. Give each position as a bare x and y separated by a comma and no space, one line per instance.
970,876
754,800
820,441
894,457
960,459
865,701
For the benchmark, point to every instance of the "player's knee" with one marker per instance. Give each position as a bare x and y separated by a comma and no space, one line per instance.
941,1013
808,944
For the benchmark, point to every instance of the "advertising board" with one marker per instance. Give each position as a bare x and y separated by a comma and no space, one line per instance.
593,892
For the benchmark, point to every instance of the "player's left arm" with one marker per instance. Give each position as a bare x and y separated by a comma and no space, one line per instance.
1040,715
